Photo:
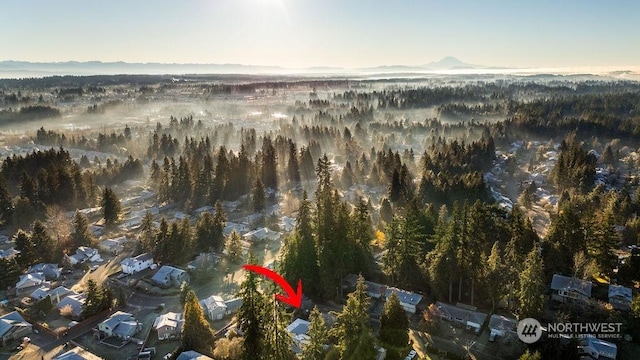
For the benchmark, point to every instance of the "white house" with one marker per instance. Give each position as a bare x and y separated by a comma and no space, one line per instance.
214,307
113,246
137,264
84,254
408,300
169,325
121,325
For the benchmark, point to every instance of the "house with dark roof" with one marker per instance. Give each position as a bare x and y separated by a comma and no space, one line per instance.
56,294
168,276
408,300
84,254
567,289
113,246
50,271
620,297
121,325
13,326
374,290
501,325
594,348
470,319
136,264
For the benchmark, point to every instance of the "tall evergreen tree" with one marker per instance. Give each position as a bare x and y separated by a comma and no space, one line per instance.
219,223
196,332
111,208
81,235
23,242
250,314
6,206
258,196
394,325
351,328
318,336
530,295
44,244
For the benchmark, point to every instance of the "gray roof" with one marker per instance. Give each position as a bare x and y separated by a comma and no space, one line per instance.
126,328
233,304
621,292
75,300
192,355
560,282
298,327
116,318
457,313
404,296
166,273
10,320
143,257
500,322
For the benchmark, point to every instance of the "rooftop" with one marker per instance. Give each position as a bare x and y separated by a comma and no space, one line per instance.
560,282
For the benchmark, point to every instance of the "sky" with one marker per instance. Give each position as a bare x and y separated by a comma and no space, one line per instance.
340,33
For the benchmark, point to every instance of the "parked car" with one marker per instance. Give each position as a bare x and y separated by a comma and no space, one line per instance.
94,268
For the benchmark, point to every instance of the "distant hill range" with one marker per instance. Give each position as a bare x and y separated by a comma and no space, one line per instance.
12,68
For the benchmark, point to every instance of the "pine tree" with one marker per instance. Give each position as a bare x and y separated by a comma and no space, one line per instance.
6,207
494,275
219,223
530,294
147,233
204,232
351,328
318,336
94,300
44,244
196,332
250,315
111,207
23,242
81,235
277,340
258,196
394,324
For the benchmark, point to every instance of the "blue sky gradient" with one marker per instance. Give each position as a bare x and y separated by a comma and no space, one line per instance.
304,33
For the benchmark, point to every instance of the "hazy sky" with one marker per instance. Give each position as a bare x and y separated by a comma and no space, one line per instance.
303,33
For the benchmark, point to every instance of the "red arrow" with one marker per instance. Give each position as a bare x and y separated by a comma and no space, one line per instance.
292,298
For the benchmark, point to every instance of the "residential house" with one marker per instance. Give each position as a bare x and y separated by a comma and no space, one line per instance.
262,234
84,254
287,223
192,355
593,348
232,305
77,353
231,226
408,300
9,253
204,260
214,307
50,271
75,302
298,330
620,297
501,326
121,325
113,246
570,290
470,319
206,208
56,294
137,264
168,276
169,325
374,290
29,282
13,326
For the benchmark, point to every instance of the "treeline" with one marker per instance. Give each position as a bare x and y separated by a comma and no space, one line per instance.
103,142
27,113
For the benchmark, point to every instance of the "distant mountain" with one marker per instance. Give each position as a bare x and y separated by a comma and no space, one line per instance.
449,63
